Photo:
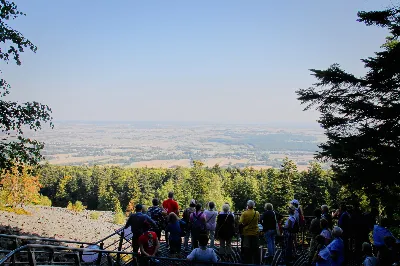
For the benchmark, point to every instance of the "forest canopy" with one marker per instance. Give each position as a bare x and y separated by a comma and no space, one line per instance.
99,187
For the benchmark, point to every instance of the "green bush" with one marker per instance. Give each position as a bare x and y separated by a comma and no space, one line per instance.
43,201
77,207
95,215
119,218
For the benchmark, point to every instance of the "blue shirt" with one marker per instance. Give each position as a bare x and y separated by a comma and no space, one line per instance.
174,231
139,223
337,246
378,234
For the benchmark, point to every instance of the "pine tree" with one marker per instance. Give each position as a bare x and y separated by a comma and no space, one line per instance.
361,115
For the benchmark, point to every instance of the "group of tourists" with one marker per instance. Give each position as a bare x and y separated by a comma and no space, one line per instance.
330,245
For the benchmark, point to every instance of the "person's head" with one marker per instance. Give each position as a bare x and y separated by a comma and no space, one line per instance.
251,204
155,202
192,203
367,249
198,207
291,209
324,224
343,207
144,209
203,240
138,208
172,218
320,240
269,207
324,208
211,205
225,207
170,195
337,231
389,241
295,203
317,213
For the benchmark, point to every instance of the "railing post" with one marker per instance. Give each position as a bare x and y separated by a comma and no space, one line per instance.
121,240
31,257
98,262
77,258
15,246
81,252
51,256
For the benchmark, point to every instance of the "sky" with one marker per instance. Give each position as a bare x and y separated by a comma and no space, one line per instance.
222,61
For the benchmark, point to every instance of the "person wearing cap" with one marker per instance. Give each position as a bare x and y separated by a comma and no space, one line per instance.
186,218
296,204
139,223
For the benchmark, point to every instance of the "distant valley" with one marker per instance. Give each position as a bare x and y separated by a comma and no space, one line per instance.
172,144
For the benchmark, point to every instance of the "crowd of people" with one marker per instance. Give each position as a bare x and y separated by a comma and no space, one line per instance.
330,244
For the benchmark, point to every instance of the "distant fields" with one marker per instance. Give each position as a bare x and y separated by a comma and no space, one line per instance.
172,145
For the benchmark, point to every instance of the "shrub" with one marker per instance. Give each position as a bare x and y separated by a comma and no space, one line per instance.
43,201
119,218
15,210
77,207
95,215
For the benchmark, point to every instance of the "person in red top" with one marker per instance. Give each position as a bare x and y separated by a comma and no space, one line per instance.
170,205
149,245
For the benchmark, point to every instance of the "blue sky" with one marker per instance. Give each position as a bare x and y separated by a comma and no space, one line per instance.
216,61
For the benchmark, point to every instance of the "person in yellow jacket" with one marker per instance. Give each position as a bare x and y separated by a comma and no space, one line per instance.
250,231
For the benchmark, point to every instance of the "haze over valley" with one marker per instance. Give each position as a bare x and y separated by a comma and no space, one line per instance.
151,144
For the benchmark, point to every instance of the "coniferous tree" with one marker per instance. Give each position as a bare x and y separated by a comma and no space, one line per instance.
361,115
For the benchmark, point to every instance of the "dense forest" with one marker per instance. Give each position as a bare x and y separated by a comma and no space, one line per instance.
104,187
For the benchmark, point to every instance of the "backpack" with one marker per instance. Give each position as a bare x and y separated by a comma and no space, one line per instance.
186,214
198,225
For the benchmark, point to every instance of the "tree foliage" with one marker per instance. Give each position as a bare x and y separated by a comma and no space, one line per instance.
109,186
18,186
361,116
14,117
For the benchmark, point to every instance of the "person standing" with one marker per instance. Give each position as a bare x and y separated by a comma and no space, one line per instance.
326,215
186,218
173,230
336,247
197,225
269,223
170,205
211,217
345,224
157,214
139,223
289,233
315,230
249,223
225,230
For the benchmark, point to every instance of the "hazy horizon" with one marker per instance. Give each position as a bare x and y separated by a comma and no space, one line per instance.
229,62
